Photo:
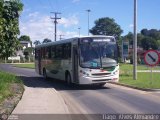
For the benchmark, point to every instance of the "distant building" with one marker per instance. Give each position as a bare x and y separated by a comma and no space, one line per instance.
25,44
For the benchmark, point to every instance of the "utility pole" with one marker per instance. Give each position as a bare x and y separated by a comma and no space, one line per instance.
135,42
88,19
79,31
55,23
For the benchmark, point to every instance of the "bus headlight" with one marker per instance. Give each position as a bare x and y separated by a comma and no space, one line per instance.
115,72
84,73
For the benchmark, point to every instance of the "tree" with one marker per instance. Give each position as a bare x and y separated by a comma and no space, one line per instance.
151,38
9,26
46,40
106,26
28,53
149,43
24,38
144,32
158,42
139,39
129,37
37,42
154,33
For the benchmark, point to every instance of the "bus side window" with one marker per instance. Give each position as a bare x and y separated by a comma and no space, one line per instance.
67,51
49,52
59,52
43,53
53,52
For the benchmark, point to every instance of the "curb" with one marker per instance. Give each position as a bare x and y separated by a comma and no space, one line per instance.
143,89
62,101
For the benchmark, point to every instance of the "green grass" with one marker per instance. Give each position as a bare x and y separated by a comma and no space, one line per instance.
28,65
143,79
139,67
6,80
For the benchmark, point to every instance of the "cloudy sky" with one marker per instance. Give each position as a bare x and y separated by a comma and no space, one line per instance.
36,22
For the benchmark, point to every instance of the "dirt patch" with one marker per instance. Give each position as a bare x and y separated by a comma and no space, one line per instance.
8,105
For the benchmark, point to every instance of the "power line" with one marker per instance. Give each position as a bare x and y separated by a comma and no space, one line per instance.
55,22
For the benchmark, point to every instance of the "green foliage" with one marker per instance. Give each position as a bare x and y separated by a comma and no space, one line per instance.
9,26
29,50
146,39
106,26
46,40
37,42
6,81
151,33
28,53
24,38
151,39
149,43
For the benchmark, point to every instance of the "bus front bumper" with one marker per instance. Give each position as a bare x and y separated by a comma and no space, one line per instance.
96,80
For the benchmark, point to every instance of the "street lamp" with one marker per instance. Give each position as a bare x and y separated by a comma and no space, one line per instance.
135,42
88,19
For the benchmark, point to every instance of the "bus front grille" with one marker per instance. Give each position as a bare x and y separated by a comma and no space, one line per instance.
99,74
101,80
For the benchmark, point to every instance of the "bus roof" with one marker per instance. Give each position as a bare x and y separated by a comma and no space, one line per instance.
70,40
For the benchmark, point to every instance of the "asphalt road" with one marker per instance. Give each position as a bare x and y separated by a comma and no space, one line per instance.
110,99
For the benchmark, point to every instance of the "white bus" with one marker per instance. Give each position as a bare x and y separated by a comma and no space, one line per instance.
80,60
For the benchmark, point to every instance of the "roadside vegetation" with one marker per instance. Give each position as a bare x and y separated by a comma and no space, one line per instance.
144,79
9,85
27,65
11,91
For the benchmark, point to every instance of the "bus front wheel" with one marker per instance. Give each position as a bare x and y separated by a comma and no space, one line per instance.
45,74
101,85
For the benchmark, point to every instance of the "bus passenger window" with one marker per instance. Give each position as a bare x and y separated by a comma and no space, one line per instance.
59,52
67,51
53,52
43,53
49,52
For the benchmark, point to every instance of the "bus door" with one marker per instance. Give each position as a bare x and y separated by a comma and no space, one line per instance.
39,61
75,63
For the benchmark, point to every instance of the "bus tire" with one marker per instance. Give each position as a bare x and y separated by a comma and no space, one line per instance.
45,74
68,78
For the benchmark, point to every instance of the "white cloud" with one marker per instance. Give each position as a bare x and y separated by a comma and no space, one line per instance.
131,25
35,14
39,27
67,22
75,1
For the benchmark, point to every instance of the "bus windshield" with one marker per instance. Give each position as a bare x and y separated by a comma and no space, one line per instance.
97,53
